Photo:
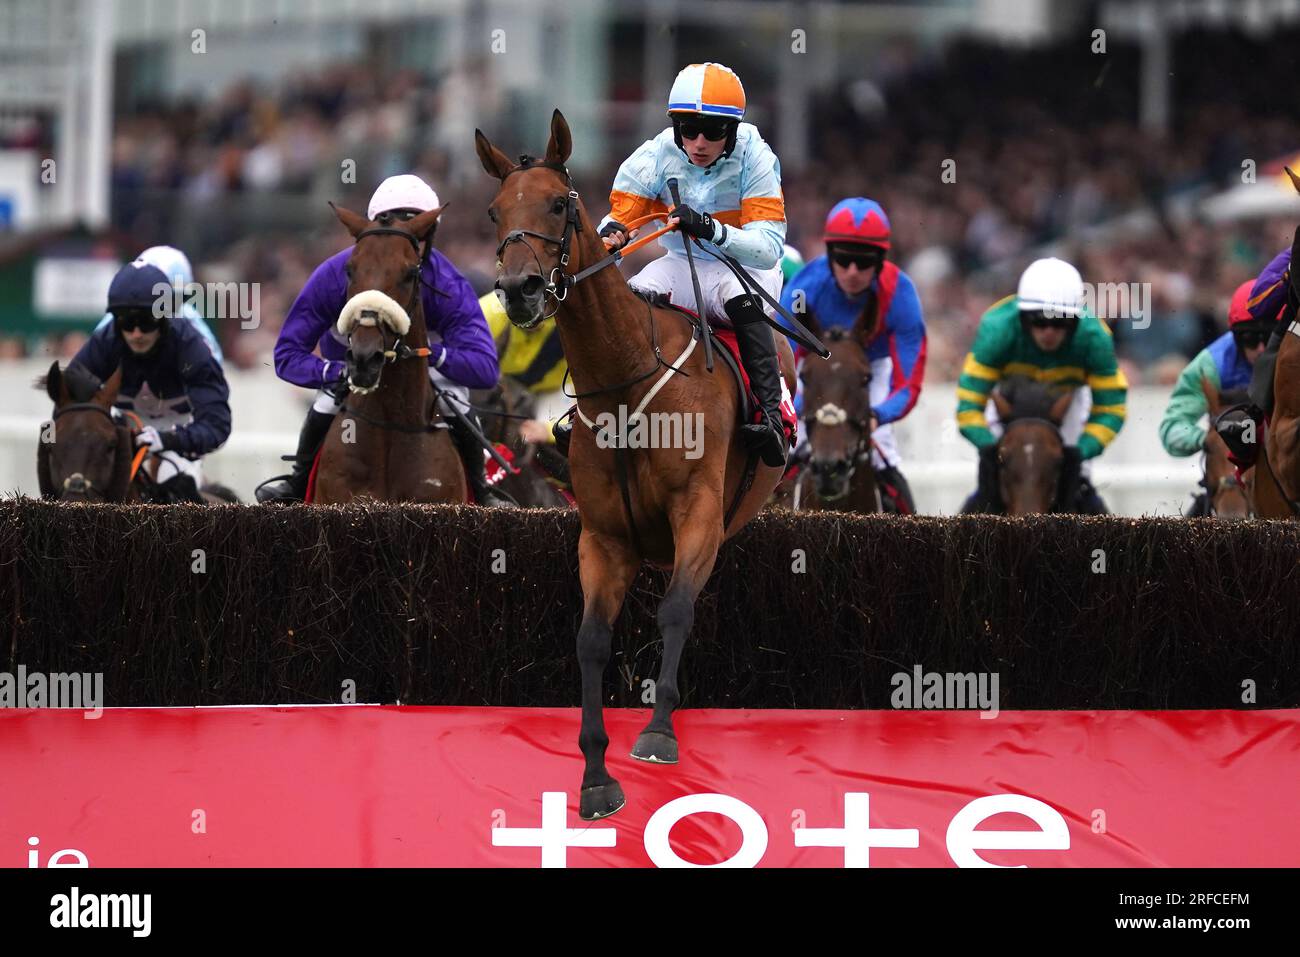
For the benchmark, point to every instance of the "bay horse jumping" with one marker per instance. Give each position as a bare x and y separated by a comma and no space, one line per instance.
85,454
1031,451
837,416
387,442
635,505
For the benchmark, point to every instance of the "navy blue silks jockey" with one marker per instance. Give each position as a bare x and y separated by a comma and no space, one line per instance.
170,377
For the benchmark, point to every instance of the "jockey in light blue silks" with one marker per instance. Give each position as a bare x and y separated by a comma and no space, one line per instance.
730,183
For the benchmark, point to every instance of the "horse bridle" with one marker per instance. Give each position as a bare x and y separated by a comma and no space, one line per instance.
107,413
559,282
1227,483
399,349
1034,420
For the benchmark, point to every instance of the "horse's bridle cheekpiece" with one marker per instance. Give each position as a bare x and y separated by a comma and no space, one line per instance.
559,282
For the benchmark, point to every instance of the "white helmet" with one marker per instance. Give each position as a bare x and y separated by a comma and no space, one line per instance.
174,264
402,192
1051,286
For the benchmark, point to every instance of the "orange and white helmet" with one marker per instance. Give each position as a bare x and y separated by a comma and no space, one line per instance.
707,89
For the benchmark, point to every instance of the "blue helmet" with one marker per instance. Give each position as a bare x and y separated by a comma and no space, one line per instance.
139,285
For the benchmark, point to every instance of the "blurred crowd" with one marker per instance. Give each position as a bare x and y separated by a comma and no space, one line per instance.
1036,146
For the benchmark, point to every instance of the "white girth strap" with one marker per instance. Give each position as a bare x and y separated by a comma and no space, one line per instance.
663,379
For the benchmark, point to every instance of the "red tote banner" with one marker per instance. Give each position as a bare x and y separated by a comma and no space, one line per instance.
350,786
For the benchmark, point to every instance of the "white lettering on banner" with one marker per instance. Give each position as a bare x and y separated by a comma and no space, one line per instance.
963,840
857,836
753,832
554,837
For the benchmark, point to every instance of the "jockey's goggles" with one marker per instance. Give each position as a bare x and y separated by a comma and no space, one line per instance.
1251,338
129,318
864,261
713,130
1038,320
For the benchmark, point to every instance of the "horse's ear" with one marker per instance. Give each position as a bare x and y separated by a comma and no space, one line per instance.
421,224
561,144
1295,180
54,386
353,222
1061,406
1002,404
494,161
1211,394
107,393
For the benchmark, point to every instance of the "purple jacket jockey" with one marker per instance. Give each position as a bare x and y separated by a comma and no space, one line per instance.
462,353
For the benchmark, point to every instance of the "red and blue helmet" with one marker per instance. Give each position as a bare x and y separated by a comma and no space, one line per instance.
859,221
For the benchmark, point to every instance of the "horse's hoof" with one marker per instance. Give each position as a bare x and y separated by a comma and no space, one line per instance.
655,747
595,803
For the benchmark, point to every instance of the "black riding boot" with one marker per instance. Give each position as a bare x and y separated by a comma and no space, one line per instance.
562,430
758,355
471,456
293,487
901,502
1240,427
179,488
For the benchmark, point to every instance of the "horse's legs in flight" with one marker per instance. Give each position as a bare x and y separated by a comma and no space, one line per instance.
697,533
606,567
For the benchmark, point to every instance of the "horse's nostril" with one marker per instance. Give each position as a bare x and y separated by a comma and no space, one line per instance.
532,286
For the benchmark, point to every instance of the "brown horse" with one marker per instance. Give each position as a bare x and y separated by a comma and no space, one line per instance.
387,444
84,454
87,455
502,409
636,504
1277,472
1031,450
1228,496
837,416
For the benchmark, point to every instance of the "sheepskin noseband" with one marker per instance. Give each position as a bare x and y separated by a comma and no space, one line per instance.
373,308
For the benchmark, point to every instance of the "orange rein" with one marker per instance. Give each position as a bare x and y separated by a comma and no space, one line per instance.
641,221
142,451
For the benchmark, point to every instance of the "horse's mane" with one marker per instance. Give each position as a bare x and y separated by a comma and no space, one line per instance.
1029,398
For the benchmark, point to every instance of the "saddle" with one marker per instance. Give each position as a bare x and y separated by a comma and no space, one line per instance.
726,347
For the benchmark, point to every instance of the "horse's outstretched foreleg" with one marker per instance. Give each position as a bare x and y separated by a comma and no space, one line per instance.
697,533
606,567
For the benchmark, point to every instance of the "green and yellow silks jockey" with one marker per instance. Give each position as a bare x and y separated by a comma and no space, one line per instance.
1044,333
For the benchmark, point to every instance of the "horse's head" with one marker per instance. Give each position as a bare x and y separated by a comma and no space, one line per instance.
1228,497
383,289
538,215
83,455
1031,449
837,413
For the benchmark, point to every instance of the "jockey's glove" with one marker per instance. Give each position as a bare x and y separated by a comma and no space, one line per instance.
695,223
151,437
337,388
612,227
